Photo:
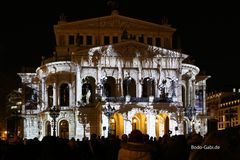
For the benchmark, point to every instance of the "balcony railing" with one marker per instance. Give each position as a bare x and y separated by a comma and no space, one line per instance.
137,99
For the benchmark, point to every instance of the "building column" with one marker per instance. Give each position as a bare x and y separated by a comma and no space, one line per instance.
189,91
54,94
127,124
120,78
156,88
127,127
70,95
43,93
204,98
193,93
151,124
99,81
140,80
46,96
78,85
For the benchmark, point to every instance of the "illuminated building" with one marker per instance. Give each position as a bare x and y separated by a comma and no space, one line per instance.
229,111
113,74
223,109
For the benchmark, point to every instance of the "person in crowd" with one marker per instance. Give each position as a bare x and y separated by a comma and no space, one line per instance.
135,149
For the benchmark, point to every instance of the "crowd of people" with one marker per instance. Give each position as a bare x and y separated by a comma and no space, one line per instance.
216,145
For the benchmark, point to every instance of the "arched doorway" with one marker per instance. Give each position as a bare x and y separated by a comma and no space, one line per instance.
118,124
139,122
161,124
112,126
64,129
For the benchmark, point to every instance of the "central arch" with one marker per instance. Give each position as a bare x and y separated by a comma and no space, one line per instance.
139,122
162,124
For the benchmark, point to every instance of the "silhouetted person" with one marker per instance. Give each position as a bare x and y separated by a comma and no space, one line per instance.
135,149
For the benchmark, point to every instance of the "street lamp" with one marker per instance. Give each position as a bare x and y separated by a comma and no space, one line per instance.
54,113
109,111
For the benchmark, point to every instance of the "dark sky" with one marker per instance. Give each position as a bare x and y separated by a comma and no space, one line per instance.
209,33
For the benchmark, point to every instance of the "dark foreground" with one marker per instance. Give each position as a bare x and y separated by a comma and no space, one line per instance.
219,145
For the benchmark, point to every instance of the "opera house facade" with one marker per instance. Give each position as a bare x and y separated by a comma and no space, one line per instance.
110,75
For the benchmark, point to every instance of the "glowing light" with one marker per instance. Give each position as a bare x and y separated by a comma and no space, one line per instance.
134,120
112,120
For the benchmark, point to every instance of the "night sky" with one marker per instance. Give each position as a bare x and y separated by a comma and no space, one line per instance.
209,34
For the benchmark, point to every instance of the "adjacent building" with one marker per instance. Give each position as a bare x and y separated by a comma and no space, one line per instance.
112,74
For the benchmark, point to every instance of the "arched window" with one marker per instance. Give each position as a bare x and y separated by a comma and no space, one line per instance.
64,94
148,87
129,87
87,93
88,89
110,87
50,96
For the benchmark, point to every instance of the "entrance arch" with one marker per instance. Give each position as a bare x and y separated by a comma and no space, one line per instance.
64,129
139,122
162,124
118,124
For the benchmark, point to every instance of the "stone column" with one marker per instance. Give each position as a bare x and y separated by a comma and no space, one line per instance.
127,127
204,98
188,91
193,93
78,85
54,94
45,96
127,124
120,78
140,81
139,94
151,124
70,95
43,93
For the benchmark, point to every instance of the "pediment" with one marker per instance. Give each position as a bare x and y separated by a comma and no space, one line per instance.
114,21
126,50
131,48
